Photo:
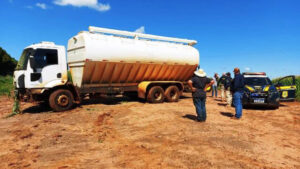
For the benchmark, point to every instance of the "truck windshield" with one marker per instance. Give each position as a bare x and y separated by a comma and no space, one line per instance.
22,64
257,81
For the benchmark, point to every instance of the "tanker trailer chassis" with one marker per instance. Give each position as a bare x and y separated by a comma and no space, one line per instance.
63,97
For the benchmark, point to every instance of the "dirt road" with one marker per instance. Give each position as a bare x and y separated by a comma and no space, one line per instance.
123,133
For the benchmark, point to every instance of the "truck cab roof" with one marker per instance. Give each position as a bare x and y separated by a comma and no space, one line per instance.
44,44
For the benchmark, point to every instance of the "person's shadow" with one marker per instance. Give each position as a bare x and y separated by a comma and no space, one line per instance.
227,114
190,116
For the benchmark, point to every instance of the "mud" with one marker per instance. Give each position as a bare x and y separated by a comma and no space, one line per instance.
124,133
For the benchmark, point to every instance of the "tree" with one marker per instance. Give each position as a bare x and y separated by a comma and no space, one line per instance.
7,63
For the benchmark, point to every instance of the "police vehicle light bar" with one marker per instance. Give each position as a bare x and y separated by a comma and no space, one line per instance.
254,73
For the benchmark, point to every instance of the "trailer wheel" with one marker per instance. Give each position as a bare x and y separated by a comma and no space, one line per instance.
172,94
156,95
61,100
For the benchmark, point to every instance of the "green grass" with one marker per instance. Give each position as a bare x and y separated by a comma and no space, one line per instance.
288,81
6,85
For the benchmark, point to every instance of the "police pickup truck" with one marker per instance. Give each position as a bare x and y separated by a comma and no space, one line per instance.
259,90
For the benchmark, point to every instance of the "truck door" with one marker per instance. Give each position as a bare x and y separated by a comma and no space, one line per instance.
287,88
43,69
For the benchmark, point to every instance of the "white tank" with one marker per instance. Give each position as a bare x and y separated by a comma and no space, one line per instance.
97,59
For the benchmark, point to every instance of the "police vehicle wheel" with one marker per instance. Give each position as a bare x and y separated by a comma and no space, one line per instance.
275,106
61,100
156,95
172,94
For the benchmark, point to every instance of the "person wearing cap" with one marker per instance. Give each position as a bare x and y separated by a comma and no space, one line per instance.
227,85
237,87
221,83
198,84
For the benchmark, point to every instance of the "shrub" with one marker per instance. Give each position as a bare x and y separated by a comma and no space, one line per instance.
6,85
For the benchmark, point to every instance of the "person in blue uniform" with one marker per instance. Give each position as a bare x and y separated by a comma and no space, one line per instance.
238,84
198,84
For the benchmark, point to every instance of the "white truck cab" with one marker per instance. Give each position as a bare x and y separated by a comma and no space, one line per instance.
42,66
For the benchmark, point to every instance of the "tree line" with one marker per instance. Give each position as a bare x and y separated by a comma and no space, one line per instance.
7,63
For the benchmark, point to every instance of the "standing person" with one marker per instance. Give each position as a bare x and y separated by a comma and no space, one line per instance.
227,85
198,84
221,83
238,84
215,86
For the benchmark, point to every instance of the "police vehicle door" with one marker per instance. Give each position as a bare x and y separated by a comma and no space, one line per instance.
287,88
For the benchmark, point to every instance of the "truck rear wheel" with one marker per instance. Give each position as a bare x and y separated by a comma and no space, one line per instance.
172,94
61,100
156,95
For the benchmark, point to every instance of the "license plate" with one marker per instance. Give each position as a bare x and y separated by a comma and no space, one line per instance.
259,100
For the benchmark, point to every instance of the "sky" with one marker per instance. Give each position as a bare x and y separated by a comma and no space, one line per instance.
254,35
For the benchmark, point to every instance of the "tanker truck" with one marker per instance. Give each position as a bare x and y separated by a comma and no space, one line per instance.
105,61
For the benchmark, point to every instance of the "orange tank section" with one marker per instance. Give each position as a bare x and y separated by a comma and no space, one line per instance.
109,73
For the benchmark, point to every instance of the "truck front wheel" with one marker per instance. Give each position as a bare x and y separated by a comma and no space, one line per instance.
172,94
156,95
61,100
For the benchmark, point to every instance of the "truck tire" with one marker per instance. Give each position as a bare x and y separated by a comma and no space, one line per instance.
172,94
61,100
156,95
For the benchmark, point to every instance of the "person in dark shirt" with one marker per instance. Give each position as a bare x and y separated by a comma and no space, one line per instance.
227,85
221,83
237,87
198,84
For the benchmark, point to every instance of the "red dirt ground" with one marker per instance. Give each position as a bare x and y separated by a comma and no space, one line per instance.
123,133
